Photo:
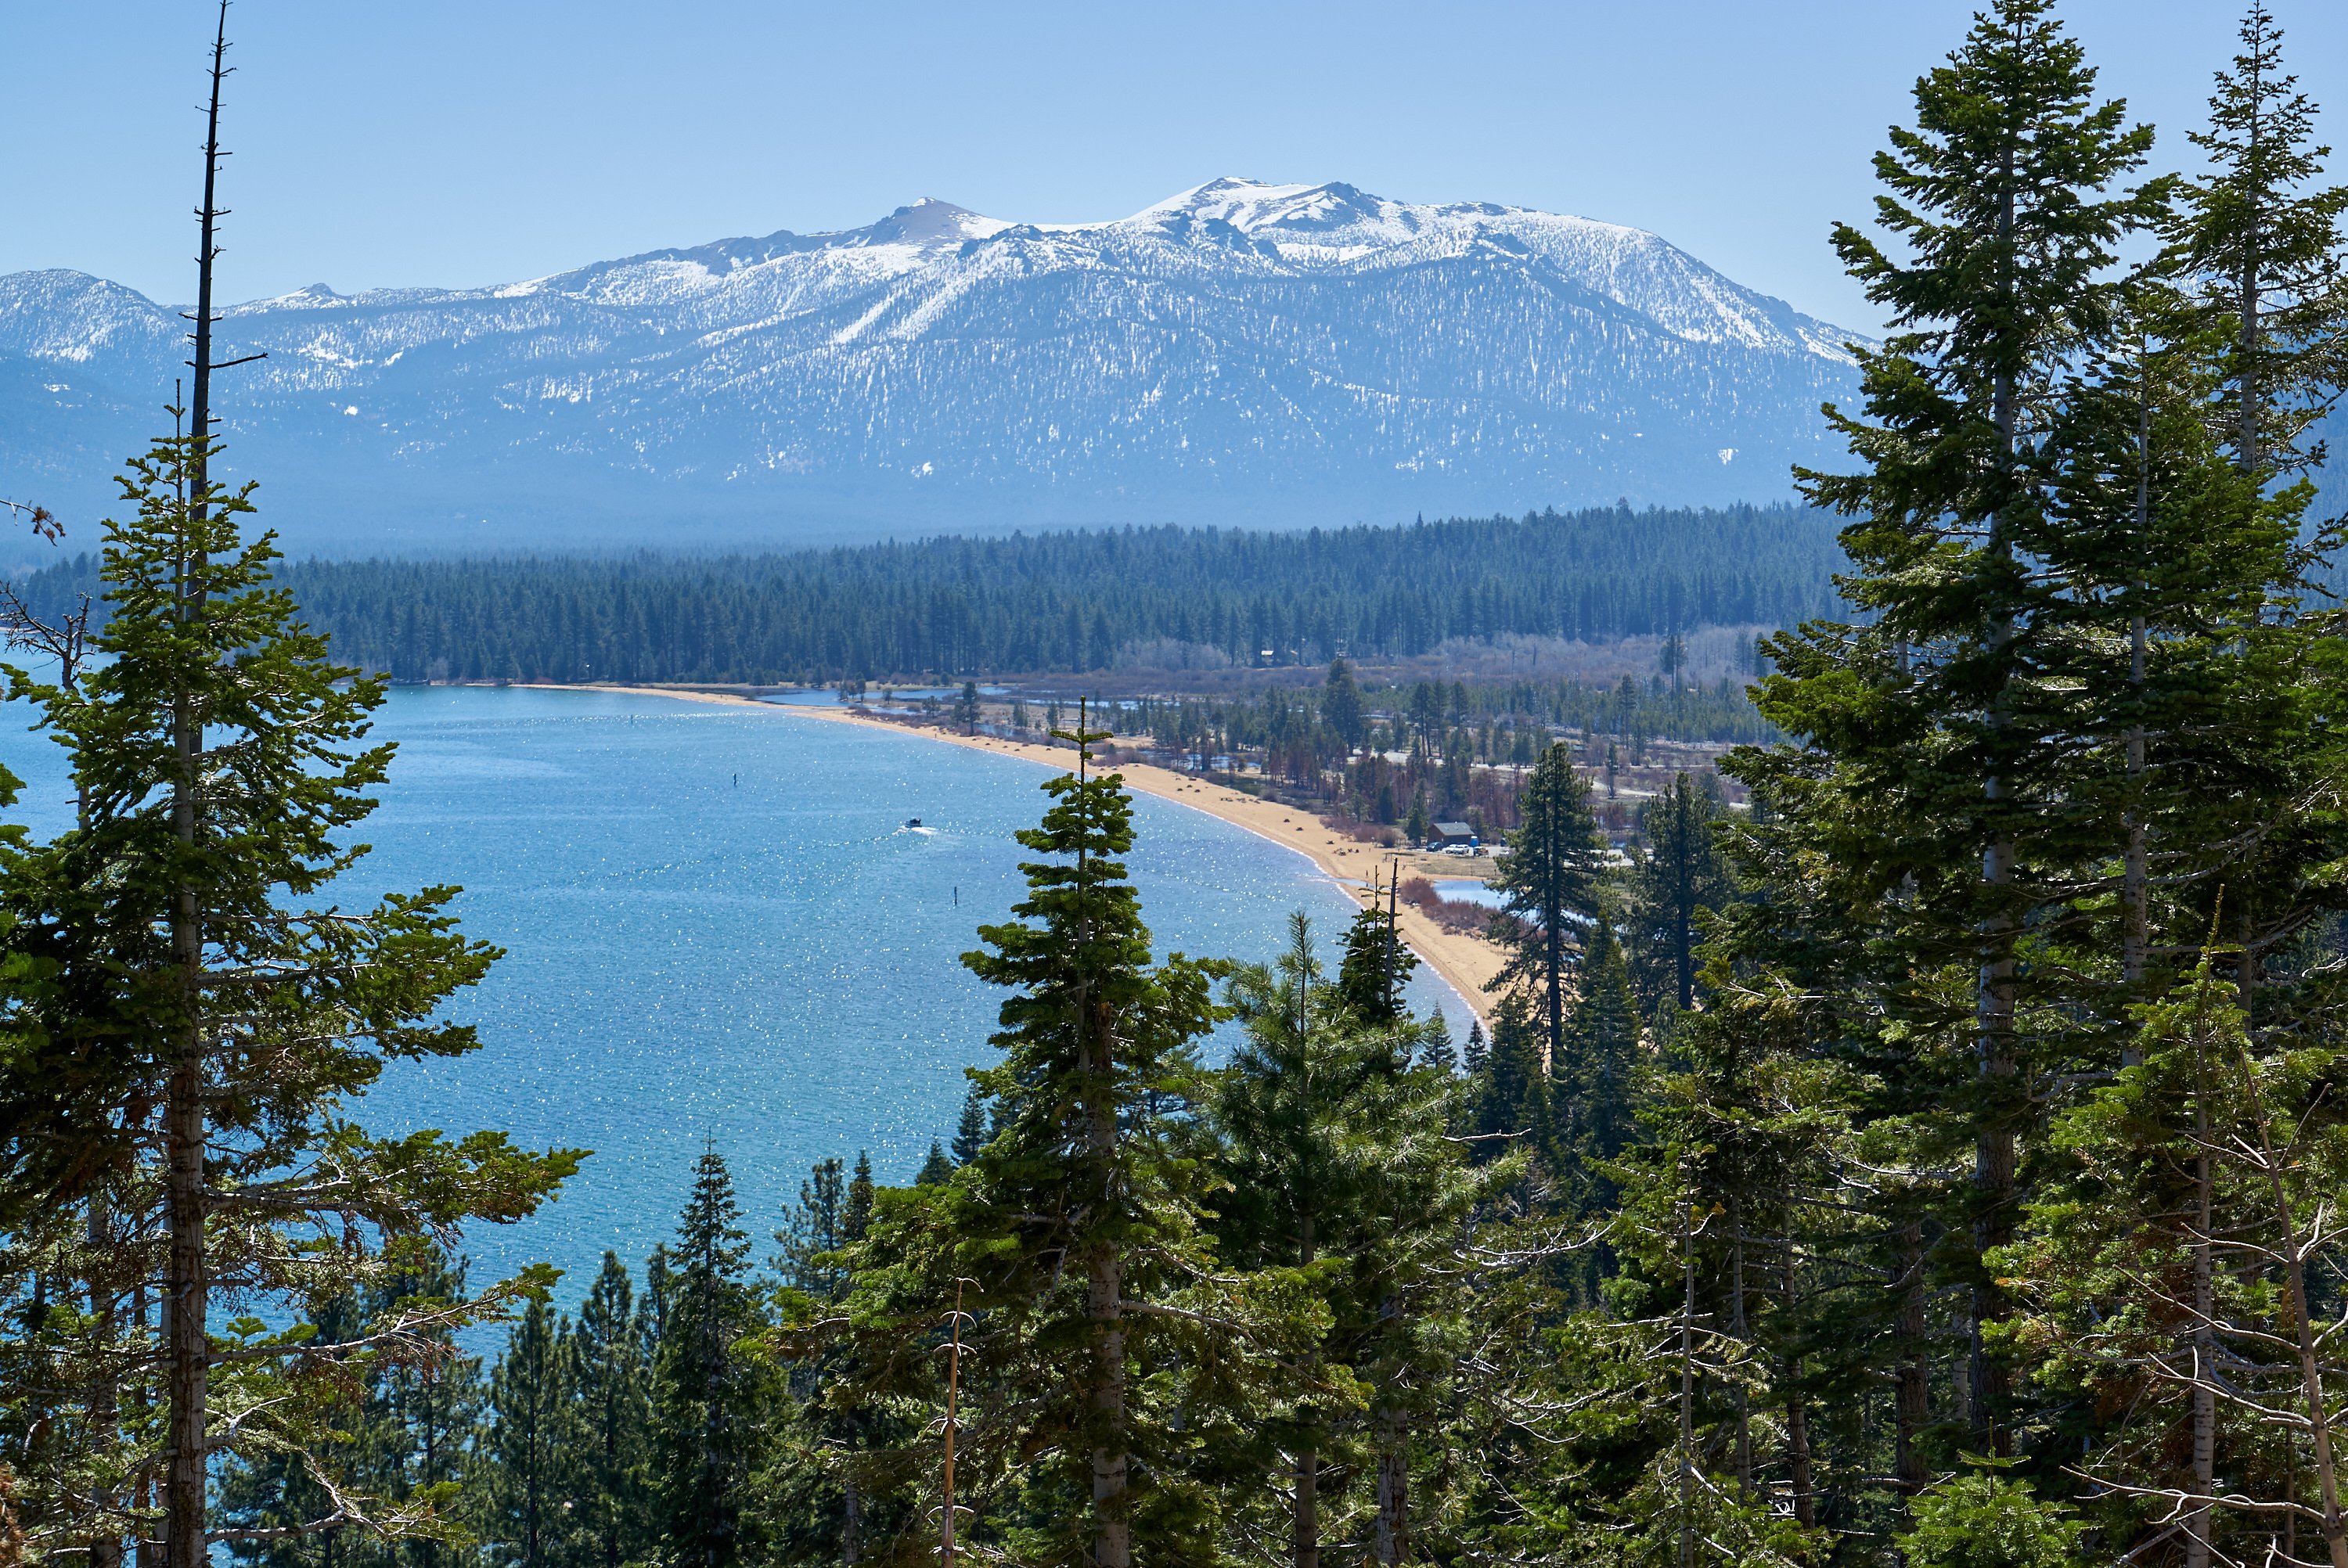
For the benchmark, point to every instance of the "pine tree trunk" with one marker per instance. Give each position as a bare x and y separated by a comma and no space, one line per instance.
1914,1400
1113,1541
1993,1146
105,1395
852,1524
1112,1532
2205,1307
144,1547
2136,895
1306,1543
186,1349
187,1352
2205,1395
2290,1494
2246,975
1736,1326
1687,1390
2336,1528
1393,1541
1684,905
1553,1038
610,1481
2293,1253
1797,1415
2251,452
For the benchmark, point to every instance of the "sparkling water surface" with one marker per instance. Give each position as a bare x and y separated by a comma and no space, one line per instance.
719,933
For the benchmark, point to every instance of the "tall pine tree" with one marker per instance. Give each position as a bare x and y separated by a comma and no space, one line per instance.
1940,730
612,1383
1554,874
710,1398
534,1446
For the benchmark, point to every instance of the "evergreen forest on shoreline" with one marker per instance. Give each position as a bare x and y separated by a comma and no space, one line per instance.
1058,603
1934,1160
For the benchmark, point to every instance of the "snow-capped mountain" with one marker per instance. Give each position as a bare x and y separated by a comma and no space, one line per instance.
1242,352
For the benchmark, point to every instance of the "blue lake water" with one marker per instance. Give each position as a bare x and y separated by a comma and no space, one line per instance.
718,933
1468,891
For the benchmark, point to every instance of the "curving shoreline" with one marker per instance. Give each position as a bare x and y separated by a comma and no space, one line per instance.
1464,962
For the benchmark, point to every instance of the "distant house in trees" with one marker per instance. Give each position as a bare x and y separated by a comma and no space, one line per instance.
1454,835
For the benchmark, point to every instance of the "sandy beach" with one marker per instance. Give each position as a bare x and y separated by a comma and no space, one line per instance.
1465,962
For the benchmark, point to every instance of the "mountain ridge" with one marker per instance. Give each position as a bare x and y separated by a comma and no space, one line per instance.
1240,351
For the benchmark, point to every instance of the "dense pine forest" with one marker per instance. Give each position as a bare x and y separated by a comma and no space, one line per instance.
1068,602
1936,1161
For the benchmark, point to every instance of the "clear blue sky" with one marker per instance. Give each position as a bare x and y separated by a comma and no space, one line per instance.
431,142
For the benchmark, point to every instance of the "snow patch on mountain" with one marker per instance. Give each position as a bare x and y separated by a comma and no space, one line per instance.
1240,351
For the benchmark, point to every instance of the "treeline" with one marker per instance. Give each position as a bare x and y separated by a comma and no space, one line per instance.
1069,602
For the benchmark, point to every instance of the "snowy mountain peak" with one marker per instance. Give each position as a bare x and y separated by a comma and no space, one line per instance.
1240,351
1245,204
926,221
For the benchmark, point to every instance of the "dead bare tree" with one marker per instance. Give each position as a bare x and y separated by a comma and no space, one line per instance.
43,521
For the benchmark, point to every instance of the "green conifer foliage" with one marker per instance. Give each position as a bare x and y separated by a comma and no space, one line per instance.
1736,1183
1511,1097
277,1492
2262,242
858,1213
1679,874
1287,1114
1945,728
1341,706
1436,1051
1335,1151
431,1410
2168,1267
1376,966
221,1024
1090,1190
402,1430
225,1024
2264,316
1596,1077
1077,1238
710,1401
2086,708
1990,1521
814,1230
1475,1053
1554,873
971,1132
832,1487
612,1383
533,1448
